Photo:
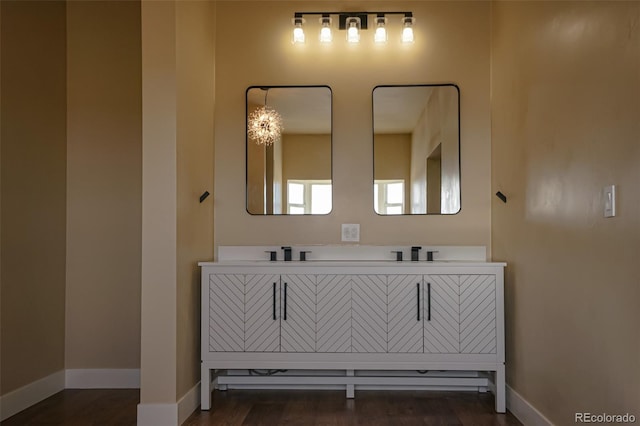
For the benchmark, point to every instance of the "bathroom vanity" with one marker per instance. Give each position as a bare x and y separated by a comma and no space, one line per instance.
364,323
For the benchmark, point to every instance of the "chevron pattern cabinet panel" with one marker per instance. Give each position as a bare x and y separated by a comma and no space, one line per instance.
333,329
478,314
405,313
442,327
226,312
261,330
298,326
369,313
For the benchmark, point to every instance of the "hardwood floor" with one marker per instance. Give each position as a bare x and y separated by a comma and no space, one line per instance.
370,408
269,408
82,407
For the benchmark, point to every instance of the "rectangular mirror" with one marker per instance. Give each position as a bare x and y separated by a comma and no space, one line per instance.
289,134
416,149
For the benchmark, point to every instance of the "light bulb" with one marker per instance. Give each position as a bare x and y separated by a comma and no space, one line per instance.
407,29
353,32
325,32
298,33
380,35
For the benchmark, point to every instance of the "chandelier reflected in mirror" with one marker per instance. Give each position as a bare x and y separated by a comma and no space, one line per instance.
264,124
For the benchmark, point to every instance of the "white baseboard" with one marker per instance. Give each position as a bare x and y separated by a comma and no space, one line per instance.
28,395
188,403
524,411
102,378
170,414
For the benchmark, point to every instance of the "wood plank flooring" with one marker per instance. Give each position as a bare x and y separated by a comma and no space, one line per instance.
82,407
270,408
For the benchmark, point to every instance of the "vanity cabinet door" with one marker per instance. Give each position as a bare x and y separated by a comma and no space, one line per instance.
262,313
405,313
351,313
226,313
333,326
298,313
478,314
442,314
369,313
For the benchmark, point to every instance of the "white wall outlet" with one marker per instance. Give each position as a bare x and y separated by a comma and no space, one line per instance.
351,232
610,201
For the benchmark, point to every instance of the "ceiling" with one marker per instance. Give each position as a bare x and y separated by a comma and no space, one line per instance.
308,109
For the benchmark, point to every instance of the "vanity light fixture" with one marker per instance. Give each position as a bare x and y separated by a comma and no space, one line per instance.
326,36
353,23
407,29
298,32
353,29
264,125
380,35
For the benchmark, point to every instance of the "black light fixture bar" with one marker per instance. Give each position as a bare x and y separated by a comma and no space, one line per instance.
342,20
363,16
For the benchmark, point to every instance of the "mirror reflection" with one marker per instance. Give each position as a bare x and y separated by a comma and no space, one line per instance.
289,150
416,140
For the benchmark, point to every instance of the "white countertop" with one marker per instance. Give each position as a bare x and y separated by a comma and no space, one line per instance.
351,263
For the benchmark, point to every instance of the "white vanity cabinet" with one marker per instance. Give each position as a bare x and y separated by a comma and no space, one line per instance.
354,316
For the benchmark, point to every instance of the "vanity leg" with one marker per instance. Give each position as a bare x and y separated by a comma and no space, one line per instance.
205,388
501,403
351,388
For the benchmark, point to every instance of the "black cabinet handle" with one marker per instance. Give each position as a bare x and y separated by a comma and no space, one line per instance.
428,301
418,299
285,301
274,301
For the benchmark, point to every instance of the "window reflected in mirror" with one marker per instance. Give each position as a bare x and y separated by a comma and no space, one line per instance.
308,196
416,148
289,134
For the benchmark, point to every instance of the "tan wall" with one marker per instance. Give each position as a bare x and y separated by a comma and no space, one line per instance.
104,171
158,361
177,155
392,157
1,102
306,157
392,160
438,125
566,108
33,193
256,163
434,181
263,54
195,50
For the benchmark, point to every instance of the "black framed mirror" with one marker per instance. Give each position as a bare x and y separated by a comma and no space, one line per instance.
289,150
416,149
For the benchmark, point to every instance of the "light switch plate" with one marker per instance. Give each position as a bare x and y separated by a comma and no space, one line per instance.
350,232
610,201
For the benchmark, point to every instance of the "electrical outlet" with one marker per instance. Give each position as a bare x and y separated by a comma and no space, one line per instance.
351,232
610,201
